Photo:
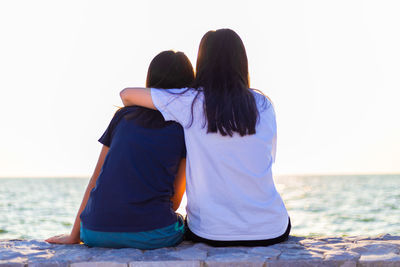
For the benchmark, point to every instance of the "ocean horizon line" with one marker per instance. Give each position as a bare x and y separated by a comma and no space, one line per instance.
277,175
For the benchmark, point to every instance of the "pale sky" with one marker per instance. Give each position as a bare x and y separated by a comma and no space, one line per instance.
331,68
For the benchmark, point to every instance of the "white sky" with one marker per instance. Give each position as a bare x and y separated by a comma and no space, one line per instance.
331,67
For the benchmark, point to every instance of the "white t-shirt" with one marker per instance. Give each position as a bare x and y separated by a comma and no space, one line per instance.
230,190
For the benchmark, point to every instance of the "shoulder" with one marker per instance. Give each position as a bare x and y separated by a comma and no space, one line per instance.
125,110
107,136
263,101
122,112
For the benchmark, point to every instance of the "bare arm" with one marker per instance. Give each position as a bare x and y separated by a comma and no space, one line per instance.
179,185
74,236
137,96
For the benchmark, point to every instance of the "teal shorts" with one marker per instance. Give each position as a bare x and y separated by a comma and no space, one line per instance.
167,236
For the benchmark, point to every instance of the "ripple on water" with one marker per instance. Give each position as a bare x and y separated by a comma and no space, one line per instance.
346,205
370,219
66,223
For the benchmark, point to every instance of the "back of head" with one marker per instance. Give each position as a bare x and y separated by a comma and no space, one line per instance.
222,73
169,69
222,58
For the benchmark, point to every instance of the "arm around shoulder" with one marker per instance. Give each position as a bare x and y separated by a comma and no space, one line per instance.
137,96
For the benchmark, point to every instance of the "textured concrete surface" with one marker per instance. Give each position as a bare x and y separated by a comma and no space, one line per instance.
354,251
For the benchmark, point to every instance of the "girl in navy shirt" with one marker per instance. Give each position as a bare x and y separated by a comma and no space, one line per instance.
139,179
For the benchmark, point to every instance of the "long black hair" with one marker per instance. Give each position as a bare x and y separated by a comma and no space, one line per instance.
169,69
222,74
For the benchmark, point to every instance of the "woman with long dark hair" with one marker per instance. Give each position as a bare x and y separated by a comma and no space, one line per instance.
230,134
139,179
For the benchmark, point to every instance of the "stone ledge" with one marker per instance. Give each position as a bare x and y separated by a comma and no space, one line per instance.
383,250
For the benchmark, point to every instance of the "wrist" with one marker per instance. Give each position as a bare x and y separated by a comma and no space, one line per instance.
75,235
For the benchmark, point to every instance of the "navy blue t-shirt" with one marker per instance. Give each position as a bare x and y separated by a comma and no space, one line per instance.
135,185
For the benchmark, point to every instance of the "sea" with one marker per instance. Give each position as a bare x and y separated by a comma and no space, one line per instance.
333,205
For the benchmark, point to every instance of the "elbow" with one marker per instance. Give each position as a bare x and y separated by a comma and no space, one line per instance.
124,97
122,93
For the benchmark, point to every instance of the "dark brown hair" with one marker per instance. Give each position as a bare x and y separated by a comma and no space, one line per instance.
222,74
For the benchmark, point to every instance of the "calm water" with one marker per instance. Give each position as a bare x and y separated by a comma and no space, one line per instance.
323,205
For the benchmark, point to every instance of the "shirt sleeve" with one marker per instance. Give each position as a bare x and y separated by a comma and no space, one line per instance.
107,136
174,104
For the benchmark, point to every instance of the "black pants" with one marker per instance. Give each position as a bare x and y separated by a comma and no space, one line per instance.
189,235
